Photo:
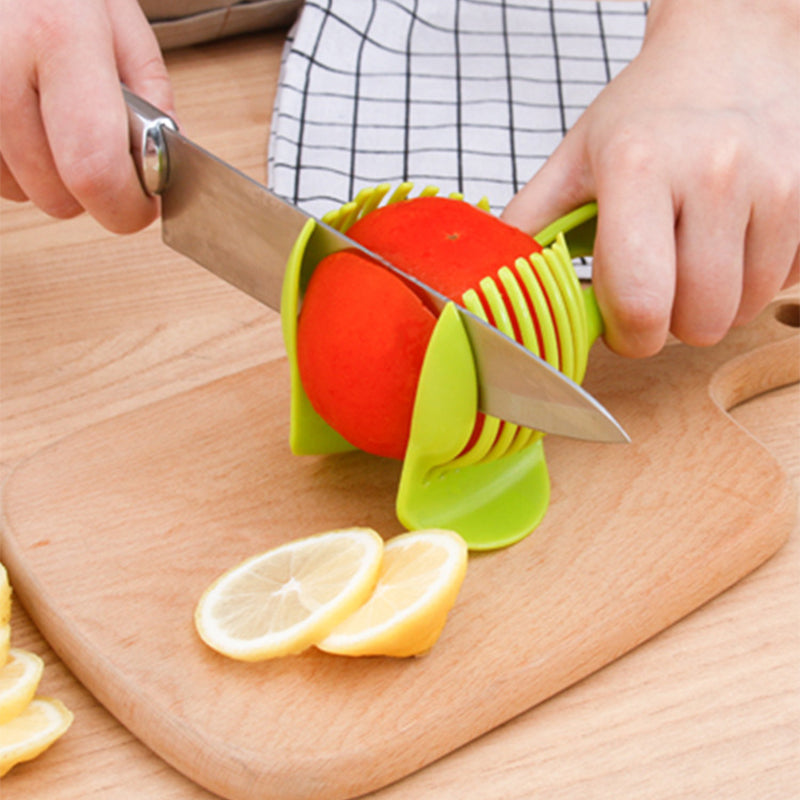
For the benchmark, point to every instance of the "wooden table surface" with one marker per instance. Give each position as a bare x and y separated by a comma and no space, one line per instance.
94,325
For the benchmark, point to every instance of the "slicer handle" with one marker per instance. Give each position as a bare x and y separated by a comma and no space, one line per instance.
146,126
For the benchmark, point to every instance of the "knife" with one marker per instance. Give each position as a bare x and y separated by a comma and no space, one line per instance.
243,233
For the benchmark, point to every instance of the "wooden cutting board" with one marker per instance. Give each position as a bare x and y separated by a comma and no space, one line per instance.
112,534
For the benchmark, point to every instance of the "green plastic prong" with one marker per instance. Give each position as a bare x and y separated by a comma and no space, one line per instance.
308,432
579,228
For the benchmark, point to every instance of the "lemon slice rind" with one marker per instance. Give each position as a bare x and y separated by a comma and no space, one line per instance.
5,644
5,597
19,680
30,733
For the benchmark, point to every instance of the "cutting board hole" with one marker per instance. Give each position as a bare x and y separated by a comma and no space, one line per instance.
788,314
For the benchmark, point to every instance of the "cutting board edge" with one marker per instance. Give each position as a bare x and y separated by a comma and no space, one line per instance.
34,598
743,377
239,778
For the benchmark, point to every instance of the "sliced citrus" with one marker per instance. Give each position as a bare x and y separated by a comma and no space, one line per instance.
282,601
5,597
5,643
19,679
32,731
420,578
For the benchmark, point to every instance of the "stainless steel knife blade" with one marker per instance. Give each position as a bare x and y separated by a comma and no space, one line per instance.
235,227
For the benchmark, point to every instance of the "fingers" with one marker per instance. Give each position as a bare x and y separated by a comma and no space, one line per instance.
711,232
772,252
9,188
89,141
634,251
634,263
794,271
691,242
139,61
696,179
560,186
23,140
67,149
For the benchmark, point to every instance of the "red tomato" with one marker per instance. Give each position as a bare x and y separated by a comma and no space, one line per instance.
362,332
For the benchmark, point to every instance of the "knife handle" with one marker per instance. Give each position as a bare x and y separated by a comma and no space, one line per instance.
146,126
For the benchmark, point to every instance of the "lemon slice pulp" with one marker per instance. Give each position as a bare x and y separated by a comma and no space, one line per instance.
421,575
19,679
5,643
282,601
32,732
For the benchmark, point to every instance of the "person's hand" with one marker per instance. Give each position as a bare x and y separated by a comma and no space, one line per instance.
693,156
64,132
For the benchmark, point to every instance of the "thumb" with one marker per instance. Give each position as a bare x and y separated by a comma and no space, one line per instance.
562,184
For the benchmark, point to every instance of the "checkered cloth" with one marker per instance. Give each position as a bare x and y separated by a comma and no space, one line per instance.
468,95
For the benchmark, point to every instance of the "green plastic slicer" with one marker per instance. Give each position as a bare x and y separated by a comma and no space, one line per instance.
483,477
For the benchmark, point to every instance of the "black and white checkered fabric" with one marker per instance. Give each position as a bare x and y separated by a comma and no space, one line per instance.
468,95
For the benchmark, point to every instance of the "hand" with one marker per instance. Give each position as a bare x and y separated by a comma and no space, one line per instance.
693,155
64,134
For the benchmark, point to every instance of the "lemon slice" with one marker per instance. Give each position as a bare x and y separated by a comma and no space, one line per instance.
32,732
5,616
19,679
5,644
282,601
5,597
420,578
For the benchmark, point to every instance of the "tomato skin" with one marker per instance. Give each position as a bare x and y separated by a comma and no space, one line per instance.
445,243
361,340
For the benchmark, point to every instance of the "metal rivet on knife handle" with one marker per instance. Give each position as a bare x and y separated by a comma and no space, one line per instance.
148,148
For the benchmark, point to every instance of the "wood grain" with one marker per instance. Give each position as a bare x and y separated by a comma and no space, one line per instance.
94,326
150,506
